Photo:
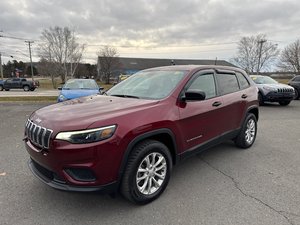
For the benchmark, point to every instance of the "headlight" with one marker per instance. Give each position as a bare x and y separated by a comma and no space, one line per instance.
87,136
62,98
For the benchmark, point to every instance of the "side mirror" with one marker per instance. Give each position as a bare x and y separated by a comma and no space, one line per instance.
59,88
193,95
101,88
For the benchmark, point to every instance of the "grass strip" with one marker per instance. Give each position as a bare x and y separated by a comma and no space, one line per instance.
29,99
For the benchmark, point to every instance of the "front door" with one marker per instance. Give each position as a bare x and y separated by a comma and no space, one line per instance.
201,121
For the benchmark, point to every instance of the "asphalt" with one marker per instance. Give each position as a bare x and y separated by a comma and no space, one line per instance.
224,185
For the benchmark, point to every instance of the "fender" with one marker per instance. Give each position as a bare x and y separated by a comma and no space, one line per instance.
143,137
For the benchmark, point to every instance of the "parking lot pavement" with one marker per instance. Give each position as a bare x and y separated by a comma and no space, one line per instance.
21,93
224,185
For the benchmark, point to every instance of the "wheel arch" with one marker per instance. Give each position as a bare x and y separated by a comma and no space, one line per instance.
163,135
255,111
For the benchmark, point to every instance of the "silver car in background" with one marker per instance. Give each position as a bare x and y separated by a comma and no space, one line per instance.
272,91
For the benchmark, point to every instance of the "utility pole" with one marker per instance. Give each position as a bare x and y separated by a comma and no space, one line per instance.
1,68
29,45
260,42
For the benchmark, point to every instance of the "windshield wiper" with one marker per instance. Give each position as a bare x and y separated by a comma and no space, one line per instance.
126,96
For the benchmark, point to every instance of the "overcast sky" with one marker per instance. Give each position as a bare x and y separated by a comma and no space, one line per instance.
193,29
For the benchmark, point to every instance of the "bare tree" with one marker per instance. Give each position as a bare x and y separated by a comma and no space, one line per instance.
61,49
290,57
255,53
108,61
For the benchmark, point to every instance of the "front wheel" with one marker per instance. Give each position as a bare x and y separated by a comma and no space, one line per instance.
247,134
260,99
1,88
296,94
147,173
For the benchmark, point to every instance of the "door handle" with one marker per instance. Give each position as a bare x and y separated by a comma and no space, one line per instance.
244,96
216,104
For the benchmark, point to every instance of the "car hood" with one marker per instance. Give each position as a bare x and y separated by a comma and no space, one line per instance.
274,85
82,112
70,94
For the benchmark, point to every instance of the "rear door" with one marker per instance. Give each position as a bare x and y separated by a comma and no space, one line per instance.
234,89
201,121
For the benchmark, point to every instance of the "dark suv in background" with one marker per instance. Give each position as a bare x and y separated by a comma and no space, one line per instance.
129,138
295,83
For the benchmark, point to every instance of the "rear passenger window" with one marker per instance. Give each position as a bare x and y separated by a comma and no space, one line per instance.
242,80
227,83
206,83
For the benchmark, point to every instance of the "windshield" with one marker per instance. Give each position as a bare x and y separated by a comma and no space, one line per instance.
148,84
80,84
264,80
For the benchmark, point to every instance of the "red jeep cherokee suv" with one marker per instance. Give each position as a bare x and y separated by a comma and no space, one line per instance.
129,138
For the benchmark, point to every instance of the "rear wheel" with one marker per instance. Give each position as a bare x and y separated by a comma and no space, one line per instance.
247,134
284,103
6,89
26,88
147,173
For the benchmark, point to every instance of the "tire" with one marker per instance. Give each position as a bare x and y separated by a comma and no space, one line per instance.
296,94
32,89
247,134
284,103
26,88
6,89
152,179
260,99
1,88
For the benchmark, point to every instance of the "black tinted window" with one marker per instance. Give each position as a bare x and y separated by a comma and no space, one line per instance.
227,83
206,83
242,80
297,79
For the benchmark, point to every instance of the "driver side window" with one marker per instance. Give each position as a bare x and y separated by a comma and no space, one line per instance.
206,83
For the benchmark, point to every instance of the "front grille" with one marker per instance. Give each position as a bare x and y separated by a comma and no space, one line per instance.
284,90
38,135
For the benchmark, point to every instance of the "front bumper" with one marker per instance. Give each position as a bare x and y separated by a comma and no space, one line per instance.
53,180
277,97
77,167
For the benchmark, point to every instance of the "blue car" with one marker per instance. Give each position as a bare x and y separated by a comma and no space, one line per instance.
75,88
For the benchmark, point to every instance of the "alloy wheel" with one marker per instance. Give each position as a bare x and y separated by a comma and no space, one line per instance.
151,173
250,131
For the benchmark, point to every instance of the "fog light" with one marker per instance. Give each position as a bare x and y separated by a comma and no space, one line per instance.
81,174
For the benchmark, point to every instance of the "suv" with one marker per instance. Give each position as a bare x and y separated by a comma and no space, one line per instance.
295,83
269,90
129,138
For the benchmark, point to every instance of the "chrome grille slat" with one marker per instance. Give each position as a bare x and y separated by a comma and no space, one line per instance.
284,90
38,135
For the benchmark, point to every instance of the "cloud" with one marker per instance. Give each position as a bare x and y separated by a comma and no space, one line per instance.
156,23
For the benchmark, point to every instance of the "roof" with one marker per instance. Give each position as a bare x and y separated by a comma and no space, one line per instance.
145,63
